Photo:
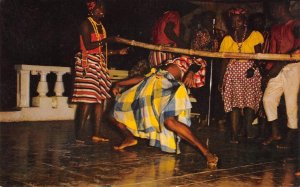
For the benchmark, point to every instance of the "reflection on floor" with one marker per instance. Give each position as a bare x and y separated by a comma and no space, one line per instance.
44,154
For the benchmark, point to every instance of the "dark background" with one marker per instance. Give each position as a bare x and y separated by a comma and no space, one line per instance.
45,32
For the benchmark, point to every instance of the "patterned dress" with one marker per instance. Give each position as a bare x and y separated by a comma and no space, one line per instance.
184,62
93,84
92,81
240,91
144,108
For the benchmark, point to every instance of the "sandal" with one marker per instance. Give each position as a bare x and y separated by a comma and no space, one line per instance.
212,160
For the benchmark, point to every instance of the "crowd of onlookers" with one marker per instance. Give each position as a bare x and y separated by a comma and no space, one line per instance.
156,106
251,91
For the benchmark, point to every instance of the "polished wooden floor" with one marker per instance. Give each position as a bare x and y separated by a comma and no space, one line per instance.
44,154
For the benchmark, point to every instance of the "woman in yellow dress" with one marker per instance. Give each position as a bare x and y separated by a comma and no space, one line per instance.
241,81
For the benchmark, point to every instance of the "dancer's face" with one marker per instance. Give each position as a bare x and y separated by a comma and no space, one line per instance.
99,12
237,22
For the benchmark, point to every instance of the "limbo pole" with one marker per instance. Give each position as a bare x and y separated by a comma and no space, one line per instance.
191,52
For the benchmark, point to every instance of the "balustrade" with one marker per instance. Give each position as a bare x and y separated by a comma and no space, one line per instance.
46,106
42,100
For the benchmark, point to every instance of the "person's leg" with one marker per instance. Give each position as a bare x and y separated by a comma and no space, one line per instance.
98,112
184,132
275,136
271,101
129,139
297,173
248,119
235,120
263,128
82,113
291,91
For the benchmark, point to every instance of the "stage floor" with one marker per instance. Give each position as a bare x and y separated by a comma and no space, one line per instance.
44,154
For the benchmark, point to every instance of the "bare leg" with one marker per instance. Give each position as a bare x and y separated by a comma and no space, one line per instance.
82,113
98,111
235,119
184,132
129,138
249,117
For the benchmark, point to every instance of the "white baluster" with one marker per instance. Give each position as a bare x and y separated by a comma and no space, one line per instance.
41,100
42,88
59,85
23,87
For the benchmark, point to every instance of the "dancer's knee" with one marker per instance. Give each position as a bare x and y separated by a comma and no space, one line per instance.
170,123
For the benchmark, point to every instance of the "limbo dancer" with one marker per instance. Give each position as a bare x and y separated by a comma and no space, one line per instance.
157,107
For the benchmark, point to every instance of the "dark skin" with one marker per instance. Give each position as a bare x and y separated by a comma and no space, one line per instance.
84,109
238,25
169,31
86,29
171,123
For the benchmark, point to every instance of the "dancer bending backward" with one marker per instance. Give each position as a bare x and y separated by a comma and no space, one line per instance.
92,82
240,92
158,107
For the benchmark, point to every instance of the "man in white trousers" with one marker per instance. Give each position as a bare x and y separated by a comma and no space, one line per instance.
284,76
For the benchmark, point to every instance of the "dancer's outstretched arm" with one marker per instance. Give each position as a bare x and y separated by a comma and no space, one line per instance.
126,82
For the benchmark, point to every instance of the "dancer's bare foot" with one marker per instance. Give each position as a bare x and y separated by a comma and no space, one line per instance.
97,139
297,174
126,143
212,160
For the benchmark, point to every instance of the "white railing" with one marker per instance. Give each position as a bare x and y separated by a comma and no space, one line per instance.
43,107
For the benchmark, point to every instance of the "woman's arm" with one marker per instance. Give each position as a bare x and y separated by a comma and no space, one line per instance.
86,36
188,78
123,51
126,82
169,31
222,73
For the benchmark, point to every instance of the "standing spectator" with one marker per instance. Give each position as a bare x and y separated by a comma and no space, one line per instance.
92,82
284,76
166,31
240,93
257,22
206,37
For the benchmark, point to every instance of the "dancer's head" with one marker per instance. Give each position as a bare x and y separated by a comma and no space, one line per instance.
238,18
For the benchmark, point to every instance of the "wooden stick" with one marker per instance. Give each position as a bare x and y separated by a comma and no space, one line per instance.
191,52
